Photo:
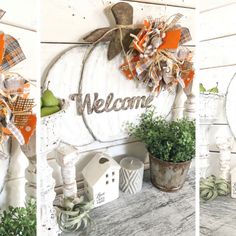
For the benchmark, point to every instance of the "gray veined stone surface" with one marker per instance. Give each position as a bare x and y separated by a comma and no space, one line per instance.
218,217
149,212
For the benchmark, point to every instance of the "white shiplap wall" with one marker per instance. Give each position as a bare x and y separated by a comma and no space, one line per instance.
64,23
217,54
20,21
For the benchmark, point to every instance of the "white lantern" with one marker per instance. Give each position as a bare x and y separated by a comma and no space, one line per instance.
101,179
233,183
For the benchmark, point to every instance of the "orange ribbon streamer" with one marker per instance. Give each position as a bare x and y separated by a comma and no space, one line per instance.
28,130
171,40
2,44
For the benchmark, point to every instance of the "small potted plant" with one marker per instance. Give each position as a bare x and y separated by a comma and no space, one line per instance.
171,147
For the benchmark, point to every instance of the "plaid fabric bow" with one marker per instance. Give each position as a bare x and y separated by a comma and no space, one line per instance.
154,60
11,52
16,116
6,121
13,85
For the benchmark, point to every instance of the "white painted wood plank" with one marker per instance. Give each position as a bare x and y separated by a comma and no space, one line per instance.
218,23
208,5
183,3
21,13
29,43
78,18
219,52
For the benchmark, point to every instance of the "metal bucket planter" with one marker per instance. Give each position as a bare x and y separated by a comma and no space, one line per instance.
168,176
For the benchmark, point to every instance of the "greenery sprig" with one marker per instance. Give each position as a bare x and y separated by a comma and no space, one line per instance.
172,141
19,220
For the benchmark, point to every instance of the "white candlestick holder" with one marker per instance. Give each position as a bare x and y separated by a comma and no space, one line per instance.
225,145
66,158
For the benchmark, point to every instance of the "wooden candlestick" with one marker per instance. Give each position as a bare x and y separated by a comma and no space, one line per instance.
225,145
66,158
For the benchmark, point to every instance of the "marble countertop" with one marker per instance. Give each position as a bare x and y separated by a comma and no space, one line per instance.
218,217
149,213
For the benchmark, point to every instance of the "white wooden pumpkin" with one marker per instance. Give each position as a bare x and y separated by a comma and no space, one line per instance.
103,77
101,179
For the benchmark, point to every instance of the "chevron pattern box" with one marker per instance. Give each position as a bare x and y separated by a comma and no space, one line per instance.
131,175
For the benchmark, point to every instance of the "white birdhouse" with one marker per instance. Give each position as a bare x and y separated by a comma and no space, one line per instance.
233,183
101,179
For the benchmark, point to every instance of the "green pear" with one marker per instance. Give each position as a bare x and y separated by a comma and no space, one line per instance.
48,99
202,88
214,89
46,111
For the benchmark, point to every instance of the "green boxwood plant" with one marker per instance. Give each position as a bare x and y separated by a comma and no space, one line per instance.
172,141
18,221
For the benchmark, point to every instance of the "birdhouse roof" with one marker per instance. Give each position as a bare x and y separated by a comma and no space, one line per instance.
98,166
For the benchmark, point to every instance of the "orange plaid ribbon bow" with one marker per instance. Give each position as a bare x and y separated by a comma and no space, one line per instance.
10,52
154,56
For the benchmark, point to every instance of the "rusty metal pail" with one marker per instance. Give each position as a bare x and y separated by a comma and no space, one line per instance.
168,176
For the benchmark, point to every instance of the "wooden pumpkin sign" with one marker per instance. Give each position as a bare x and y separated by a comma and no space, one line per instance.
100,76
102,100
